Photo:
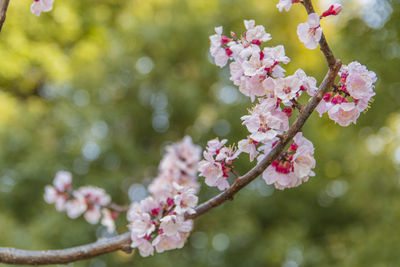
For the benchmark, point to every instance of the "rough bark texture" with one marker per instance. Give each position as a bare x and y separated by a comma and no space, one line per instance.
3,11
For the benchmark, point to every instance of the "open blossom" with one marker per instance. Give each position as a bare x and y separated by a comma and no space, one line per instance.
39,6
185,200
344,114
287,89
88,200
217,51
216,163
108,220
286,4
248,146
256,33
310,32
308,83
144,246
59,192
359,80
255,65
293,167
265,120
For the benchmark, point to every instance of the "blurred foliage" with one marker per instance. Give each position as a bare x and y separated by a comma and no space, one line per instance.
100,87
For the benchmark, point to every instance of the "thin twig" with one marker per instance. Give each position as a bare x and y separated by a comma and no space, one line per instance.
117,208
3,11
237,176
122,242
297,105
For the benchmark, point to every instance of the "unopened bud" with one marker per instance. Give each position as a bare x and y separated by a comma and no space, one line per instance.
333,10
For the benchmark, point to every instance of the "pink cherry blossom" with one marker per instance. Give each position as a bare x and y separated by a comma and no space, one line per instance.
265,121
359,80
287,89
253,87
344,114
59,193
308,83
164,242
310,32
108,220
145,247
88,200
254,33
276,54
161,224
185,200
219,53
286,4
294,167
216,163
39,6
76,206
248,146
256,65
212,170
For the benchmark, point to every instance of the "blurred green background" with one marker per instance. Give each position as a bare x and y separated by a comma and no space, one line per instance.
99,88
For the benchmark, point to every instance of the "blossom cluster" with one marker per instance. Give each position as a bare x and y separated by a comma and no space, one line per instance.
158,221
351,96
258,73
217,163
39,6
92,202
293,167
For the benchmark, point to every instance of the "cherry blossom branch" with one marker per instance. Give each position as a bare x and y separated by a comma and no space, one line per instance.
276,151
3,11
122,242
117,207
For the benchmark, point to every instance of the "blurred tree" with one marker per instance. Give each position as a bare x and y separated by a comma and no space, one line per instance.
100,87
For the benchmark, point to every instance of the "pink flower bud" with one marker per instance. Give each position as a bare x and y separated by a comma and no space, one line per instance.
225,39
228,51
333,10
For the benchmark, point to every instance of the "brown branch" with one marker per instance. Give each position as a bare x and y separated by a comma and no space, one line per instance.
122,242
3,11
297,105
26,257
